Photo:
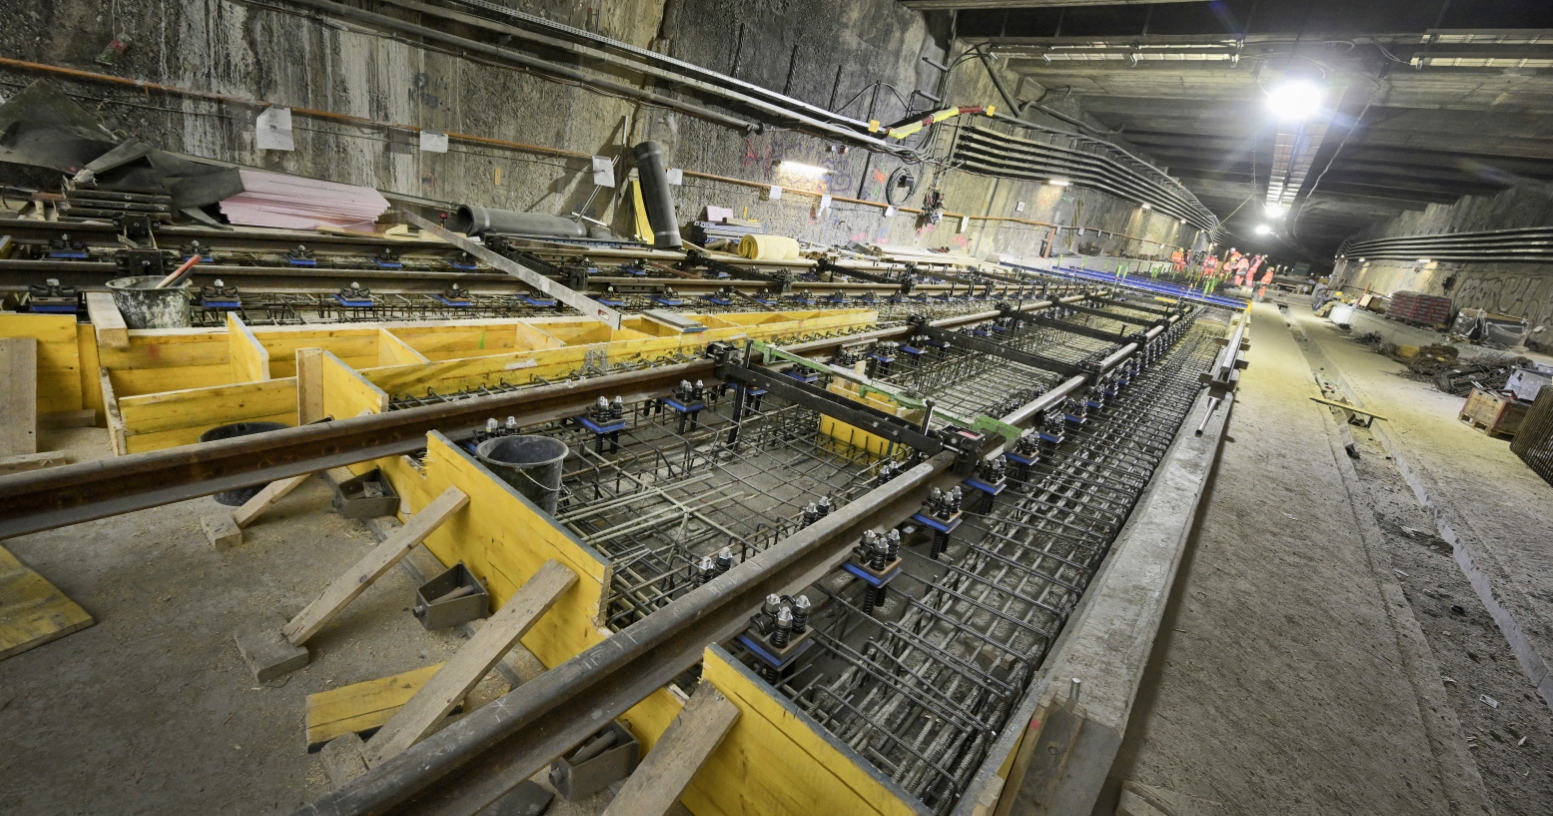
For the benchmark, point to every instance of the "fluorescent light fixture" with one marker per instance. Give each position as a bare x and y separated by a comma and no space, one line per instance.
1058,182
801,169
1424,260
1294,100
1274,209
1147,206
1263,229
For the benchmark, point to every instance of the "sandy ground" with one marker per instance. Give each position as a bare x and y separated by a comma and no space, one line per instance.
1293,677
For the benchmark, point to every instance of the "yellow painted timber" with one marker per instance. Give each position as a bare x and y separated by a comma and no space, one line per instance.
361,707
59,357
346,393
393,351
310,385
32,610
168,360
91,381
110,404
777,761
505,539
250,360
172,418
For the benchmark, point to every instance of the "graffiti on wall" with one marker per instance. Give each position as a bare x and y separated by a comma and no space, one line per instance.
1528,295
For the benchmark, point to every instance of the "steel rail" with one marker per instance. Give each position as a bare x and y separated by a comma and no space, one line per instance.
56,497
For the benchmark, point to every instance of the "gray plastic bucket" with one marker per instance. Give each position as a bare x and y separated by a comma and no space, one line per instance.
146,307
240,496
531,464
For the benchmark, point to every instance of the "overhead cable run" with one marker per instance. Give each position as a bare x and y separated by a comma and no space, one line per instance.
1524,245
982,150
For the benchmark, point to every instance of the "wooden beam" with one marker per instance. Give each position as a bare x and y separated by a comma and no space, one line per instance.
32,610
310,385
84,418
361,707
656,784
110,404
18,396
347,587
32,461
433,702
266,498
104,314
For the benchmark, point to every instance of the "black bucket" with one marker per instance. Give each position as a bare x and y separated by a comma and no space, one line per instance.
241,495
531,464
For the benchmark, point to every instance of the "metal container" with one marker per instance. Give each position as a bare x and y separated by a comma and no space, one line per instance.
531,464
366,496
146,307
434,607
239,496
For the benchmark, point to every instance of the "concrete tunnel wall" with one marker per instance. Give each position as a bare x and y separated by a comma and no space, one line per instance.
825,53
1519,289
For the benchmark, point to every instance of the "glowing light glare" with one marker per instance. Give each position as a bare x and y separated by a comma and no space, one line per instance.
1274,210
1424,260
801,169
1263,229
1147,206
1059,182
1294,100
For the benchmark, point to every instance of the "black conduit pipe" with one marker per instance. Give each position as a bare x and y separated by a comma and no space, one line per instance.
654,178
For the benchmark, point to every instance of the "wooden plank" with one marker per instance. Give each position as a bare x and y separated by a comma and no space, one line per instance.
361,708
266,498
656,784
18,396
206,408
393,351
58,361
32,461
471,663
32,610
86,371
250,359
310,385
345,588
1346,407
104,314
110,405
347,393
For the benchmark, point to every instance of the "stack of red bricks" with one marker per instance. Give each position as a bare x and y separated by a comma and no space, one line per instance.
1416,307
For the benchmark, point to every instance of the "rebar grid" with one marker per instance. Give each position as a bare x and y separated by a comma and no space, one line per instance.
923,685
669,498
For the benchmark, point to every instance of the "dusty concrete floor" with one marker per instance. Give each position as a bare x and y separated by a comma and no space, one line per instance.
1293,677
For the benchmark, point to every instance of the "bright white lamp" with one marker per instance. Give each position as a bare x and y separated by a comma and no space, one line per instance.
1263,229
1294,100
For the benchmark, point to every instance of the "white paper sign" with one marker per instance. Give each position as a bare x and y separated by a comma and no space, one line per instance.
718,215
774,193
676,176
824,202
1020,207
965,223
889,212
272,130
603,171
434,142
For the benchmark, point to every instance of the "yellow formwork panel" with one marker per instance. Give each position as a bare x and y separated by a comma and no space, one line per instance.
59,357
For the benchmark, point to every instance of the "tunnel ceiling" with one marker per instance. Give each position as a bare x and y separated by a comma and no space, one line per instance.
1425,100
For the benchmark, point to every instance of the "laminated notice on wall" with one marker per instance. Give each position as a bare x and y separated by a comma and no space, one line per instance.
824,202
603,171
434,141
889,212
774,193
676,176
272,131
965,223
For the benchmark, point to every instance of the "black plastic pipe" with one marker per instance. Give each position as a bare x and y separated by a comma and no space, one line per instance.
654,178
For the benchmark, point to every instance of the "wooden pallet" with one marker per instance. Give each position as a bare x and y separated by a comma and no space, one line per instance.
1495,415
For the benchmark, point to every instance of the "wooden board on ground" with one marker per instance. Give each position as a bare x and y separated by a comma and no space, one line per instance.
32,610
32,461
658,781
470,664
266,498
1346,407
361,708
18,396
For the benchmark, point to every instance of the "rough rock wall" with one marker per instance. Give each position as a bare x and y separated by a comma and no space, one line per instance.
863,58
1520,289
